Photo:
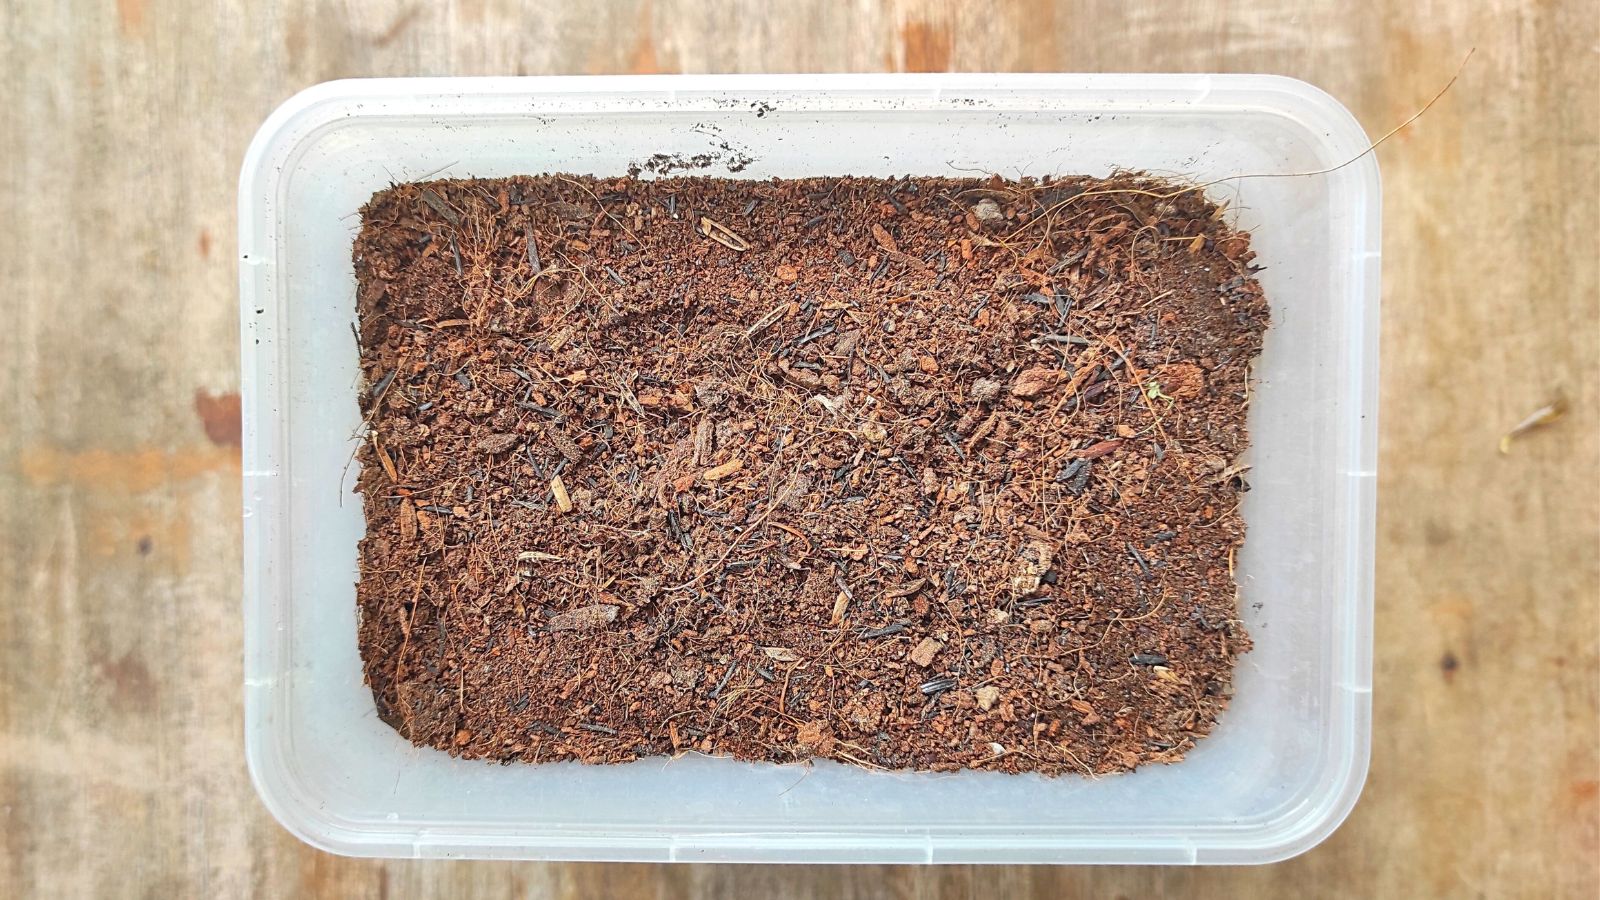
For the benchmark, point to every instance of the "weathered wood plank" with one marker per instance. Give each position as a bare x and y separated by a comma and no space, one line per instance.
120,763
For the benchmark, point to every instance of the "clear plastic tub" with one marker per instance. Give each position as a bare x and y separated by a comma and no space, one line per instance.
1287,760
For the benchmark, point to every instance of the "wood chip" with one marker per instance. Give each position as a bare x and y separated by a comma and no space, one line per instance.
702,441
408,520
1037,380
987,696
564,444
498,443
535,265
1084,371
584,618
884,238
815,736
907,590
559,489
439,206
1097,450
723,235
717,473
384,460
925,652
1544,415
988,213
841,604
766,321
1180,381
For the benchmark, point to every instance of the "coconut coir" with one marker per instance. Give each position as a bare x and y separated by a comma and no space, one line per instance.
922,473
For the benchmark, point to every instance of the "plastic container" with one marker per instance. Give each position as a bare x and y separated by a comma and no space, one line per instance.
1287,760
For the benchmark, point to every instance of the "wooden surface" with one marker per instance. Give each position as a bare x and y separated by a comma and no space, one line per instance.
121,769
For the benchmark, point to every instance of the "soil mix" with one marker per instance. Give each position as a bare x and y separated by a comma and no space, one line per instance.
922,473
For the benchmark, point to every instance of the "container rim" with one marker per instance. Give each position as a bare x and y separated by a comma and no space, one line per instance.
301,119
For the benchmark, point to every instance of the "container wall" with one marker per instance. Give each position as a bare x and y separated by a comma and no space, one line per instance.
1284,763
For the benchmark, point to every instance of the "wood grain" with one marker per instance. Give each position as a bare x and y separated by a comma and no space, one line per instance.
121,770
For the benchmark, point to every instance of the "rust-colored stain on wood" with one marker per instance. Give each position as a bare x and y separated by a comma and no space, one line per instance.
642,61
130,15
926,47
129,526
643,58
143,469
219,416
132,685
398,27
